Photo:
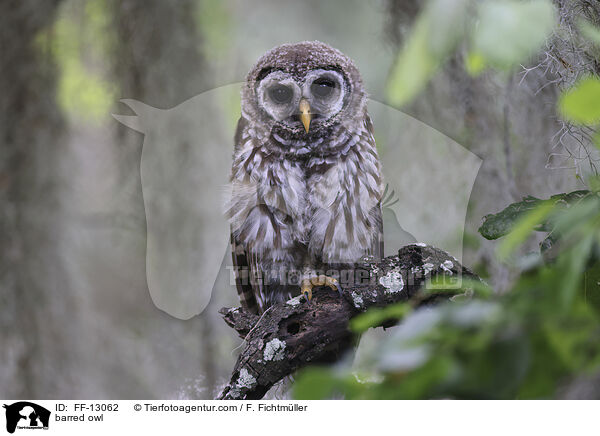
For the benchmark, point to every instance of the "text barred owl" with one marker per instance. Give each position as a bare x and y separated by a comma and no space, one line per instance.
306,179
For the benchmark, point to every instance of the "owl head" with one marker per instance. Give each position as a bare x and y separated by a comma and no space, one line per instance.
302,91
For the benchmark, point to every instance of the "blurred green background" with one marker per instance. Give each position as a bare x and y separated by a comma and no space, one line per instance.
514,82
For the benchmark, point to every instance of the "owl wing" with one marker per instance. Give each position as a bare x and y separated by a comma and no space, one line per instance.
247,276
246,270
375,214
377,240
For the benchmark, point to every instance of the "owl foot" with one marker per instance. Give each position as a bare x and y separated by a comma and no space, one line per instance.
307,285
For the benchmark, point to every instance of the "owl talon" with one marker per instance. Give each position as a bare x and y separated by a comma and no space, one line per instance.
308,284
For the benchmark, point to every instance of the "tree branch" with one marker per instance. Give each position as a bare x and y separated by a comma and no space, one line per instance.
293,334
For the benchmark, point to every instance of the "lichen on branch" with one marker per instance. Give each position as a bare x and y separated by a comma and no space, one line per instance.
294,334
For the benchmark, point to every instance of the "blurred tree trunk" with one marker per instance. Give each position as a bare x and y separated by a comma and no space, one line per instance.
159,61
159,58
30,153
401,14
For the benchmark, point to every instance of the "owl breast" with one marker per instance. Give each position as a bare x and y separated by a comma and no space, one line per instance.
297,212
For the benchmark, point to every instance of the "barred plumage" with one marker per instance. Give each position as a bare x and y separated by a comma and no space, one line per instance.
304,199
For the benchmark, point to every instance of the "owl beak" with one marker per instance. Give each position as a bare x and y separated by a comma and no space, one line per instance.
305,115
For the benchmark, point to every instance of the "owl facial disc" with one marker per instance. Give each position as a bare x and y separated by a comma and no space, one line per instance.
303,103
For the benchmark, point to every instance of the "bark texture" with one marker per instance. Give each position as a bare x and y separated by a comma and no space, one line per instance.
294,334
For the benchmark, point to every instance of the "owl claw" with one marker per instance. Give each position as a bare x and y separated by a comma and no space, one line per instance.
308,284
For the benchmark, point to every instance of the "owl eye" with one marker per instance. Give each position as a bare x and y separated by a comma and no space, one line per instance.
322,87
280,94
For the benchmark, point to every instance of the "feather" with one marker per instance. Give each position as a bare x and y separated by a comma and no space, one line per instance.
301,202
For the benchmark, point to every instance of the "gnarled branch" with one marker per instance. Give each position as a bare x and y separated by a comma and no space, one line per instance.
293,334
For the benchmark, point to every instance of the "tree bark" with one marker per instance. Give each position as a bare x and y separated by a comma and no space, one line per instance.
31,187
294,334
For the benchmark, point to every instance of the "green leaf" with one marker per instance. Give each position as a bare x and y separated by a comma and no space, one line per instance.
591,286
590,31
573,266
497,225
83,91
438,30
581,212
468,286
523,228
594,183
425,380
447,21
510,31
375,317
475,63
413,68
581,103
314,384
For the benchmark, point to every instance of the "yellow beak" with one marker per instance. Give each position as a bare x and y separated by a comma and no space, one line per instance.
305,115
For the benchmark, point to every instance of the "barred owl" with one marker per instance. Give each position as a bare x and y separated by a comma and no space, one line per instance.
306,185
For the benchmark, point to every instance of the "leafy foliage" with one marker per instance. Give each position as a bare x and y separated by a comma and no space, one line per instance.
374,317
497,225
84,92
581,103
521,26
436,33
590,31
444,25
526,343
